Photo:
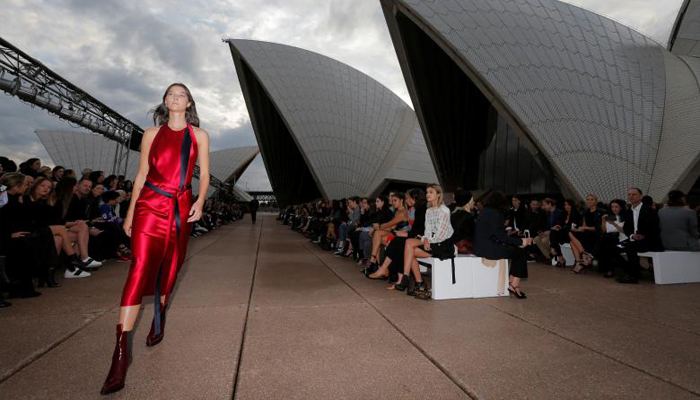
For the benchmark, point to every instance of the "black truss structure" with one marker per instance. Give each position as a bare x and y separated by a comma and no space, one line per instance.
32,82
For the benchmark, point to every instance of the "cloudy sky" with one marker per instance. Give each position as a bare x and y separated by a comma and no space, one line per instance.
126,52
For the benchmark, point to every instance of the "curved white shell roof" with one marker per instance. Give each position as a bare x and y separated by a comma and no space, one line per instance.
353,132
587,91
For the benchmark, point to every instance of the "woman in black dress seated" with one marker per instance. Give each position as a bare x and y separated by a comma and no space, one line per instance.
492,242
560,234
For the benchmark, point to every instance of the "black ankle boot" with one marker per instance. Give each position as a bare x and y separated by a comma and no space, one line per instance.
401,286
49,280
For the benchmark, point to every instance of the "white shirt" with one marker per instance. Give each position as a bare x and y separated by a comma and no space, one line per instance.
635,214
437,224
610,228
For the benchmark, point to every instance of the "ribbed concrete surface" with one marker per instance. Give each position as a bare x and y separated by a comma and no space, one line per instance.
317,329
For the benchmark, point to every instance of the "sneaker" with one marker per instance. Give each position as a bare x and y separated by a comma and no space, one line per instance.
76,273
92,263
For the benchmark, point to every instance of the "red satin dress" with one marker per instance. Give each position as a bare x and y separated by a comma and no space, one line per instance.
160,231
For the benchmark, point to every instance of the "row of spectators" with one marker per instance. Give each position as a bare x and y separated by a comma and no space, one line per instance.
386,235
50,220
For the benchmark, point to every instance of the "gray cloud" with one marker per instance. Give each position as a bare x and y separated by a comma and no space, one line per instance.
125,53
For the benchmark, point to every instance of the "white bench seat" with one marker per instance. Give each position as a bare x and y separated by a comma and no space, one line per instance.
674,266
475,277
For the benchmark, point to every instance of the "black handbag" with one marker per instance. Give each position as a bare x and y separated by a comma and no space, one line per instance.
444,250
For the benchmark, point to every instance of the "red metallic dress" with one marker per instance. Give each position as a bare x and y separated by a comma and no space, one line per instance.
160,231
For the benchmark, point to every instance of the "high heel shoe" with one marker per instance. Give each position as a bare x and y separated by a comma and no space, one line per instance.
578,268
371,268
121,358
403,284
156,335
516,292
377,275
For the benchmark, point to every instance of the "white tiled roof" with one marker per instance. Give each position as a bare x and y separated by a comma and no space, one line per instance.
353,131
589,92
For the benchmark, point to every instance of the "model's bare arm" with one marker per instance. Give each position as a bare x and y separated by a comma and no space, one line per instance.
203,148
140,179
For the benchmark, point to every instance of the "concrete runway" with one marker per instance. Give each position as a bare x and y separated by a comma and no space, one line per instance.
261,313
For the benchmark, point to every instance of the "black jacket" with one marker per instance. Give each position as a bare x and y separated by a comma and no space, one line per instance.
647,226
463,224
535,222
518,218
490,238
554,218
418,227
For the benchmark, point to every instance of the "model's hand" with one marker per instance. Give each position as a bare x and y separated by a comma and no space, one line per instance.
195,212
127,226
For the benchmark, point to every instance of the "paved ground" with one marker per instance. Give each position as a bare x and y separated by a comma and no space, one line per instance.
260,313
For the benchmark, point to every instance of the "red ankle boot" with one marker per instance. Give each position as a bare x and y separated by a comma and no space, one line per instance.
120,362
157,332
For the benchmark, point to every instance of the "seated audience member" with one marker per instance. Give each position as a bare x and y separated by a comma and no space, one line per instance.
107,209
7,165
435,240
393,256
57,173
45,172
607,251
535,219
69,173
40,202
492,242
110,182
354,235
30,248
78,231
462,221
584,238
561,235
380,231
642,227
517,218
96,177
106,240
92,201
678,224
30,167
553,221
381,215
346,227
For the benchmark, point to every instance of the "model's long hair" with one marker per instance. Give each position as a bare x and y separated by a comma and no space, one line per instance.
161,112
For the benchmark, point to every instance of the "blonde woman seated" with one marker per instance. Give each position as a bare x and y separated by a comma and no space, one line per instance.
381,231
435,239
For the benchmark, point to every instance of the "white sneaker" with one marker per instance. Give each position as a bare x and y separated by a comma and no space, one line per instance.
90,263
76,273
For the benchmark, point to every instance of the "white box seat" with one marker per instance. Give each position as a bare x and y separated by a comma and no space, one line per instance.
674,266
474,277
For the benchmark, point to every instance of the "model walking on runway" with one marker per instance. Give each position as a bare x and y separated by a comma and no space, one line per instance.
159,213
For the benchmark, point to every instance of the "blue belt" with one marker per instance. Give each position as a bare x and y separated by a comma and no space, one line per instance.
176,212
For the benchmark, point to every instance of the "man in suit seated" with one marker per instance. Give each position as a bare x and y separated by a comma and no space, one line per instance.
642,227
553,221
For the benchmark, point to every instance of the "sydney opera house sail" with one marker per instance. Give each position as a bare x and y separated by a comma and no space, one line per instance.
598,104
324,128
